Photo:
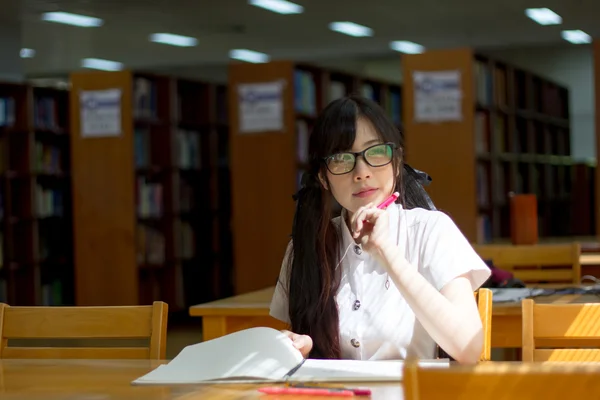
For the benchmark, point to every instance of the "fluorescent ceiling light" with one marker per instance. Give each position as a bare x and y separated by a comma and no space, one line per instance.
576,37
543,16
278,6
104,65
404,46
249,56
27,53
173,40
72,19
350,28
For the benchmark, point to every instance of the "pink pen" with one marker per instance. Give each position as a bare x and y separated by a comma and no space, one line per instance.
388,201
306,391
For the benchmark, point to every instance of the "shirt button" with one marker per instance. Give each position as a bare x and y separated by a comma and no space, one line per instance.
355,343
357,250
356,305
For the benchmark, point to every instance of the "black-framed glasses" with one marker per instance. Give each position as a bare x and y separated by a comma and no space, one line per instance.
376,156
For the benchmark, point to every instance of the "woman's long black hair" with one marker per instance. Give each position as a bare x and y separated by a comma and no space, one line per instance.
313,277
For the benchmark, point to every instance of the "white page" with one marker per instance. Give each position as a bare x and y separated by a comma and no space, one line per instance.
356,370
251,354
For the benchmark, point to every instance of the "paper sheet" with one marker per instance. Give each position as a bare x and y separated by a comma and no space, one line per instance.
357,370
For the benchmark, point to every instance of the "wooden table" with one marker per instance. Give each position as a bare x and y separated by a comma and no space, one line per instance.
232,314
111,379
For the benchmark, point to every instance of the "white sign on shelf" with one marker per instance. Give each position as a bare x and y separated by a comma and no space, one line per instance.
438,96
260,107
100,112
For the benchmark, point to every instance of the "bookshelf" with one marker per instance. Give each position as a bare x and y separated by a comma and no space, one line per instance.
266,166
596,172
513,137
36,235
151,210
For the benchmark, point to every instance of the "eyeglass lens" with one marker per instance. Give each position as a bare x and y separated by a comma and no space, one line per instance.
375,156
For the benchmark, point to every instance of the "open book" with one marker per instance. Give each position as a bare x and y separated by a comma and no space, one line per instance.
265,355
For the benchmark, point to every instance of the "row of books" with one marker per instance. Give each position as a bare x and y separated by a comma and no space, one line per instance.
484,83
48,158
185,247
52,293
302,136
484,229
151,243
305,93
149,198
150,249
545,180
554,101
48,202
144,99
187,149
7,111
141,148
45,113
527,138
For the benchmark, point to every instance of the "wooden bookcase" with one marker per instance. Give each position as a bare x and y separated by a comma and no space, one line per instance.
151,205
596,66
35,191
266,167
513,137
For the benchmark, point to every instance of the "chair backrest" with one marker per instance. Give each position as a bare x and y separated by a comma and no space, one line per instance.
557,332
499,380
483,297
115,322
552,263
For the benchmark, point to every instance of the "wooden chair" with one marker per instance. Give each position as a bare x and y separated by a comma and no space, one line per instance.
484,304
546,327
135,322
484,298
534,264
502,381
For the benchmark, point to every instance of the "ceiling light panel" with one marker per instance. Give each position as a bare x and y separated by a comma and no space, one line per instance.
173,40
404,46
278,6
351,29
72,19
544,16
576,37
249,56
27,53
104,65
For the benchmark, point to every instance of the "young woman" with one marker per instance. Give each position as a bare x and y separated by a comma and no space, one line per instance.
370,283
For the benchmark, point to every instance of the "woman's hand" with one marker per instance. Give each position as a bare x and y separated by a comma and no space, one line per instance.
370,226
303,343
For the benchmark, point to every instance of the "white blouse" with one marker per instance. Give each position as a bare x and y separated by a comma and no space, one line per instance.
376,323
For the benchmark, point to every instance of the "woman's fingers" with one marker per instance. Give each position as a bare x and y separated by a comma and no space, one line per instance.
301,342
357,221
369,215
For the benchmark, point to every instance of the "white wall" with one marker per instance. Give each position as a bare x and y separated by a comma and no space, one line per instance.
11,66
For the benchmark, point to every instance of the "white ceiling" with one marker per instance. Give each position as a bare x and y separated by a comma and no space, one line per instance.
221,25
